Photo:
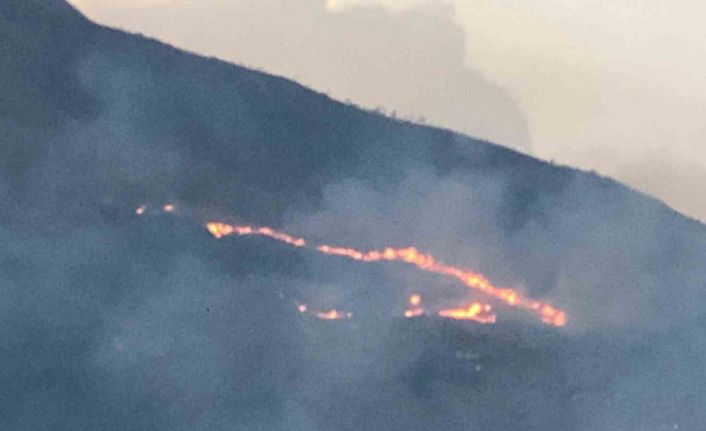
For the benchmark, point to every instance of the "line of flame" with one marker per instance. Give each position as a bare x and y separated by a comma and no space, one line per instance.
410,255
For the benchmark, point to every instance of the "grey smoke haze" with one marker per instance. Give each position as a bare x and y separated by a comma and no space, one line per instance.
613,86
609,273
112,321
412,62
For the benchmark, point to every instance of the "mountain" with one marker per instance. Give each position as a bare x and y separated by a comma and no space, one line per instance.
114,321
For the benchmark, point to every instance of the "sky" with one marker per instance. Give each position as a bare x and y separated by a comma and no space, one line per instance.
612,86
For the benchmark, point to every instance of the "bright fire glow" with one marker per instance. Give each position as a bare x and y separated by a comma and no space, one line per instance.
476,311
413,312
168,208
410,255
140,210
415,309
219,230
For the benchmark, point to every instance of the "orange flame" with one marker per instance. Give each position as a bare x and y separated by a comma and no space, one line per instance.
333,315
476,311
219,230
410,255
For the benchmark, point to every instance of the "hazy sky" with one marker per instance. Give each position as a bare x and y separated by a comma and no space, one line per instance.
616,86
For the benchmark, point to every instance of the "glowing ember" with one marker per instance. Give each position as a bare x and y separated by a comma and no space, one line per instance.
552,316
481,313
415,309
410,255
324,315
333,315
414,312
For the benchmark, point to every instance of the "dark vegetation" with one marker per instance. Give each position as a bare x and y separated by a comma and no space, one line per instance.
110,321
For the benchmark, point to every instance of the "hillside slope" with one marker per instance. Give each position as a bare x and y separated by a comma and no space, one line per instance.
194,334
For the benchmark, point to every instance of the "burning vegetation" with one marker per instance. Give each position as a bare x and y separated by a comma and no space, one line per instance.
475,311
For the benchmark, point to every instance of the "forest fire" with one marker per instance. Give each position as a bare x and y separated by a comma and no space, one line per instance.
476,311
220,230
424,262
481,313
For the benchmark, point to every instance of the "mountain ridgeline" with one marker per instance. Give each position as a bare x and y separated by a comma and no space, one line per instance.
113,321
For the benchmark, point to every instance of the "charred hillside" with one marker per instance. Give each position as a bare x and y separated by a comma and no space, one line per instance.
113,320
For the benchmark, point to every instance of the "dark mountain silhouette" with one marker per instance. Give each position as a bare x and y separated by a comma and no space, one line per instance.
113,321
